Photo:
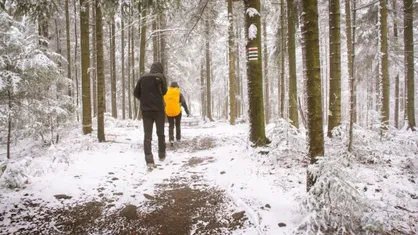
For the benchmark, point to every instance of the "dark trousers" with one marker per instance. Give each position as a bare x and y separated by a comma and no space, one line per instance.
177,121
149,117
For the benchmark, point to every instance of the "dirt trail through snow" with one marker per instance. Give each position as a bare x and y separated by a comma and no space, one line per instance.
126,198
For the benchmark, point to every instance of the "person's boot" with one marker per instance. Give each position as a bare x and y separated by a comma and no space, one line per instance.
150,161
171,143
151,166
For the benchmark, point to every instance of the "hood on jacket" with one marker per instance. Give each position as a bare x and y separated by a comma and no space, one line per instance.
156,67
174,84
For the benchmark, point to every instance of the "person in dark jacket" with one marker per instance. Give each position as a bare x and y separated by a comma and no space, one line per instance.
150,90
173,101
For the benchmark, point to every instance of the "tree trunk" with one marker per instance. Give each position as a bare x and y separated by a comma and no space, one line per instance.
75,59
282,58
312,70
100,73
58,46
255,74
93,71
395,35
143,44
43,32
208,74
132,57
239,100
85,65
409,61
113,77
293,89
334,117
163,44
67,34
202,89
155,42
129,65
384,63
232,75
122,54
9,124
266,78
350,58
350,34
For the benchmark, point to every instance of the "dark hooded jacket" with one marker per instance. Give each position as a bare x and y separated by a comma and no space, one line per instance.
151,88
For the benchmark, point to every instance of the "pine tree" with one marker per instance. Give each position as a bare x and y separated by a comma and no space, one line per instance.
232,74
208,73
202,89
85,65
142,45
93,71
384,62
350,34
155,36
100,73
312,70
113,60
122,55
334,117
265,72
254,72
293,90
282,57
395,35
409,61
68,37
132,58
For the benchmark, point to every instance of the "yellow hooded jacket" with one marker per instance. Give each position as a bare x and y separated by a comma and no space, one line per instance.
172,102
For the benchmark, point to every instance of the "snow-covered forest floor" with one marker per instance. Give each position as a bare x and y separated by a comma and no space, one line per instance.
212,182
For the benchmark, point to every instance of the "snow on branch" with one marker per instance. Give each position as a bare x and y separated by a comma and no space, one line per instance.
252,12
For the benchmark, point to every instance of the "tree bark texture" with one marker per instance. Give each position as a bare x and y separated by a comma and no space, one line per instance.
334,116
350,58
85,65
254,73
265,73
312,70
384,63
231,67
208,73
68,37
409,61
293,89
113,77
100,74
282,84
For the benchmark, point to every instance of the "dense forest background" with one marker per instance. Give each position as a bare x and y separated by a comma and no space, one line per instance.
341,71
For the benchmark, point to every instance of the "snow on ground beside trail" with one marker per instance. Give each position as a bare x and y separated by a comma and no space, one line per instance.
87,171
267,183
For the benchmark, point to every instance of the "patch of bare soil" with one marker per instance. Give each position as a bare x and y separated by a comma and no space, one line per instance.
174,209
196,161
195,144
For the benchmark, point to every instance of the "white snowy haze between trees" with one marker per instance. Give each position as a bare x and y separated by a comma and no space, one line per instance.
273,144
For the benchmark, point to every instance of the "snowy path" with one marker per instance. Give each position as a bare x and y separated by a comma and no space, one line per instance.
210,156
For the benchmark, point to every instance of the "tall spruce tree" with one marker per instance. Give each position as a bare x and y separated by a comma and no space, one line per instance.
312,69
254,72
409,61
85,65
334,116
